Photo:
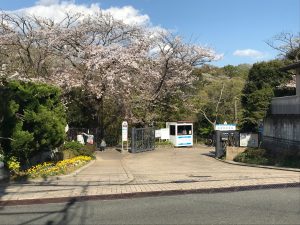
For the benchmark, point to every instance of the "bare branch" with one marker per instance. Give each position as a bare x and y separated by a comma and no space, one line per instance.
219,101
206,117
287,44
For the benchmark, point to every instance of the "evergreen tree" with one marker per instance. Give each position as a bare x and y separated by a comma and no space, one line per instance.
32,119
263,79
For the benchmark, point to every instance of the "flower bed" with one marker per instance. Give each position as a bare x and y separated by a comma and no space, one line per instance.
62,167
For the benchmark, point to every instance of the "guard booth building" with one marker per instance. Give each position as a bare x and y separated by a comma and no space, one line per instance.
181,133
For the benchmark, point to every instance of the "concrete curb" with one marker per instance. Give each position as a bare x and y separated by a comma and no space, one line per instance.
145,194
258,166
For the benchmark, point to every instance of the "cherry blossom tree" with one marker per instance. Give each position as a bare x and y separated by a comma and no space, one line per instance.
172,62
138,67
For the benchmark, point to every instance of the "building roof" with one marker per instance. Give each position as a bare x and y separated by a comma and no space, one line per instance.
291,66
182,121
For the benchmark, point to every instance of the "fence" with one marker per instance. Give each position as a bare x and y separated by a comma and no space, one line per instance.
142,139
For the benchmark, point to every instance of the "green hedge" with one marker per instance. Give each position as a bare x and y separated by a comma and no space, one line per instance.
74,148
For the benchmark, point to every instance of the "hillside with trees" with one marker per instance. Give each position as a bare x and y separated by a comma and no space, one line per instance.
96,71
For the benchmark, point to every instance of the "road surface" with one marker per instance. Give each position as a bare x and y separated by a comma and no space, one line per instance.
274,206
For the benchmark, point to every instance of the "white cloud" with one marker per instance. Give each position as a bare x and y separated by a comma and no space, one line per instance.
47,2
128,14
251,53
219,56
57,9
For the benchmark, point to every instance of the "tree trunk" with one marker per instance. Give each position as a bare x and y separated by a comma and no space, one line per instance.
100,117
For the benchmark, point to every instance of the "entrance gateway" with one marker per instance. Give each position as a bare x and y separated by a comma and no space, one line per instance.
179,133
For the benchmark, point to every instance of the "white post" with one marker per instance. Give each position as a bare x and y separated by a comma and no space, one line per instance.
124,134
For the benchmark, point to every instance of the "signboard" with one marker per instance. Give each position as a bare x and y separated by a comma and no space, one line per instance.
185,140
124,131
248,140
165,133
225,127
157,134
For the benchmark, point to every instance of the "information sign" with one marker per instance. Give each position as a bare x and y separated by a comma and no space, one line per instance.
124,131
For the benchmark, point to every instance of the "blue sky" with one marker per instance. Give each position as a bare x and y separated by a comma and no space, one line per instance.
228,26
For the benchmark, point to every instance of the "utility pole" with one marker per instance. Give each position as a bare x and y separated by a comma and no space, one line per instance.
235,110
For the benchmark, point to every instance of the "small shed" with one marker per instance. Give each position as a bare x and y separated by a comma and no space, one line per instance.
181,133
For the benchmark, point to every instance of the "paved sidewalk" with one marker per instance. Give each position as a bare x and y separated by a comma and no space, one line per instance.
163,171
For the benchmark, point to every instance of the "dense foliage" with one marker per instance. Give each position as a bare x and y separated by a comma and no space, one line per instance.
216,95
266,157
32,119
263,79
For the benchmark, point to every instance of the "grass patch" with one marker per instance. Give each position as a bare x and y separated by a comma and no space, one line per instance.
163,143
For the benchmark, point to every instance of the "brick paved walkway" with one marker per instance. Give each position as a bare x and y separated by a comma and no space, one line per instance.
166,169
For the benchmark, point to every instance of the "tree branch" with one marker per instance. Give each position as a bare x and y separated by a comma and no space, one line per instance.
7,138
206,117
219,101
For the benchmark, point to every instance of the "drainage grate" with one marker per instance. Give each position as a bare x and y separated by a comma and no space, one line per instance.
183,181
199,176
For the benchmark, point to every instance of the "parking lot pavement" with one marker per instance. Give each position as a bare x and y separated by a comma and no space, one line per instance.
196,164
165,170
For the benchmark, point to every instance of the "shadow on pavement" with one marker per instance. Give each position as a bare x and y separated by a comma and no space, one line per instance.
211,154
66,215
3,191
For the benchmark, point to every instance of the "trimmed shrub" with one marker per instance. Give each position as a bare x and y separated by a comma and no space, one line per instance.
74,148
253,156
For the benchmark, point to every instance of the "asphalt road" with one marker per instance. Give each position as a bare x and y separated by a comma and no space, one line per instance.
276,206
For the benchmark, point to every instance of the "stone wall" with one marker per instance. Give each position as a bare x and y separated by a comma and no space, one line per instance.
282,134
232,152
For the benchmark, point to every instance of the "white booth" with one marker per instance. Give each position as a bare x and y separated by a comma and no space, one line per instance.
181,133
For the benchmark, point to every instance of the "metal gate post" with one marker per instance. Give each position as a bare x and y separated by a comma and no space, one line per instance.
218,144
133,132
153,137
